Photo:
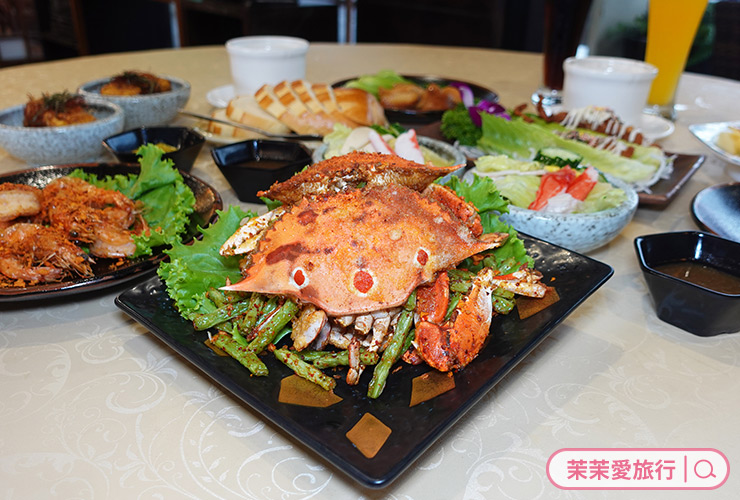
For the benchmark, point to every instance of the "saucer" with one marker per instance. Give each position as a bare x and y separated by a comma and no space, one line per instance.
220,96
655,127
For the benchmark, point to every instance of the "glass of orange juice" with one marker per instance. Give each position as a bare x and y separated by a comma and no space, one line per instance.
672,26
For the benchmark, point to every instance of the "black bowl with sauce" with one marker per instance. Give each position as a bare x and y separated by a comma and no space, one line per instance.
694,280
181,144
255,165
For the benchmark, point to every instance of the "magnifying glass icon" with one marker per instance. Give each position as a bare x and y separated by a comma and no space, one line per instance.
711,469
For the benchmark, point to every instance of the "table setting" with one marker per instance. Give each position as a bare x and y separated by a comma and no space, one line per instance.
122,382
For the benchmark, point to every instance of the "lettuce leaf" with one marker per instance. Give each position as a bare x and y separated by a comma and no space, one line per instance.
521,190
522,140
385,79
484,195
165,201
193,269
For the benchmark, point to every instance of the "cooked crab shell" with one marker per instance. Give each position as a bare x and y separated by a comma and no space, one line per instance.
360,251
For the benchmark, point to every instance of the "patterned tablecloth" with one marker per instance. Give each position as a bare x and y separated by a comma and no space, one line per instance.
94,406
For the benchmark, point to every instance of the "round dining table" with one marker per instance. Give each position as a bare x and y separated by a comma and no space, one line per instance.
94,406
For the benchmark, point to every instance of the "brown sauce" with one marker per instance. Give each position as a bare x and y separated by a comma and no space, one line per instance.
264,164
702,275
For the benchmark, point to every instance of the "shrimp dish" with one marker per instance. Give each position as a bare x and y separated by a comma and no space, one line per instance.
56,232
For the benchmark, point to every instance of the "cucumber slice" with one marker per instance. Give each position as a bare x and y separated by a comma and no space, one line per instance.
558,157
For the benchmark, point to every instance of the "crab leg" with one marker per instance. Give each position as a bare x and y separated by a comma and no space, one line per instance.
456,342
245,239
522,282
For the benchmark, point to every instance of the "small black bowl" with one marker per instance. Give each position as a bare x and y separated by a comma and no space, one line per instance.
697,308
187,144
255,165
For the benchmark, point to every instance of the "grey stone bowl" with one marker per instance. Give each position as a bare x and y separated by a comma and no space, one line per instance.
60,145
150,110
577,232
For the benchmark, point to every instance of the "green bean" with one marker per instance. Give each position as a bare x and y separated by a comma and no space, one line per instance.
503,301
217,296
311,355
256,302
272,303
454,300
391,354
305,370
410,304
341,358
408,340
220,315
246,357
272,324
287,330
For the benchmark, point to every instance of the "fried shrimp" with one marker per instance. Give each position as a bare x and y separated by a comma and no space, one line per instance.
90,215
18,200
35,253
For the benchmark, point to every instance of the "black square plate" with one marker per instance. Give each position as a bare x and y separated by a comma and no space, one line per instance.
413,428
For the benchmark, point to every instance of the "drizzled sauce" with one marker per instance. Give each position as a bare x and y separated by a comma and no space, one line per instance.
702,275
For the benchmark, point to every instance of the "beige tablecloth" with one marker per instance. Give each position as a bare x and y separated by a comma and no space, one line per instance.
94,406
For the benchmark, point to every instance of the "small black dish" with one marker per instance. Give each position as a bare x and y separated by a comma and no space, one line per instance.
187,144
255,165
693,307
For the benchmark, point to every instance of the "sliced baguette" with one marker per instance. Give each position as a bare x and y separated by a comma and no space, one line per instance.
313,117
227,131
244,109
269,101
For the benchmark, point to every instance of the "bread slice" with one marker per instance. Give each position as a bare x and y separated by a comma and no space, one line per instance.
245,109
227,131
269,101
304,110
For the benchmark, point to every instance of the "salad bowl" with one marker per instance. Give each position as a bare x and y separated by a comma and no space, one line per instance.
579,232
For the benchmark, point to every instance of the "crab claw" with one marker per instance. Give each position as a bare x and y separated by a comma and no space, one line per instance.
455,343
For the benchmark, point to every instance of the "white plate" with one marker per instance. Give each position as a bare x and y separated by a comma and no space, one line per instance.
656,127
220,96
708,132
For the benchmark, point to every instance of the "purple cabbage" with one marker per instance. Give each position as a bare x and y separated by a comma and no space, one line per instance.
483,106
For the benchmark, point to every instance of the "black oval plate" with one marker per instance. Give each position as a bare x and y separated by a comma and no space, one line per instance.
414,428
207,201
420,117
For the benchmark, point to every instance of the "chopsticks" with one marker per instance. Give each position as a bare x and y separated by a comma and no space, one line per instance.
290,137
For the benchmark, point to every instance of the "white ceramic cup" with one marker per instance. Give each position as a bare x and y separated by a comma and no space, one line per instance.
259,60
609,82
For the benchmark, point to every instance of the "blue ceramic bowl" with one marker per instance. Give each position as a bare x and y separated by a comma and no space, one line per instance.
698,309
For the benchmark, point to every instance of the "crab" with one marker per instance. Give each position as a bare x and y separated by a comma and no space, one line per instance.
355,236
